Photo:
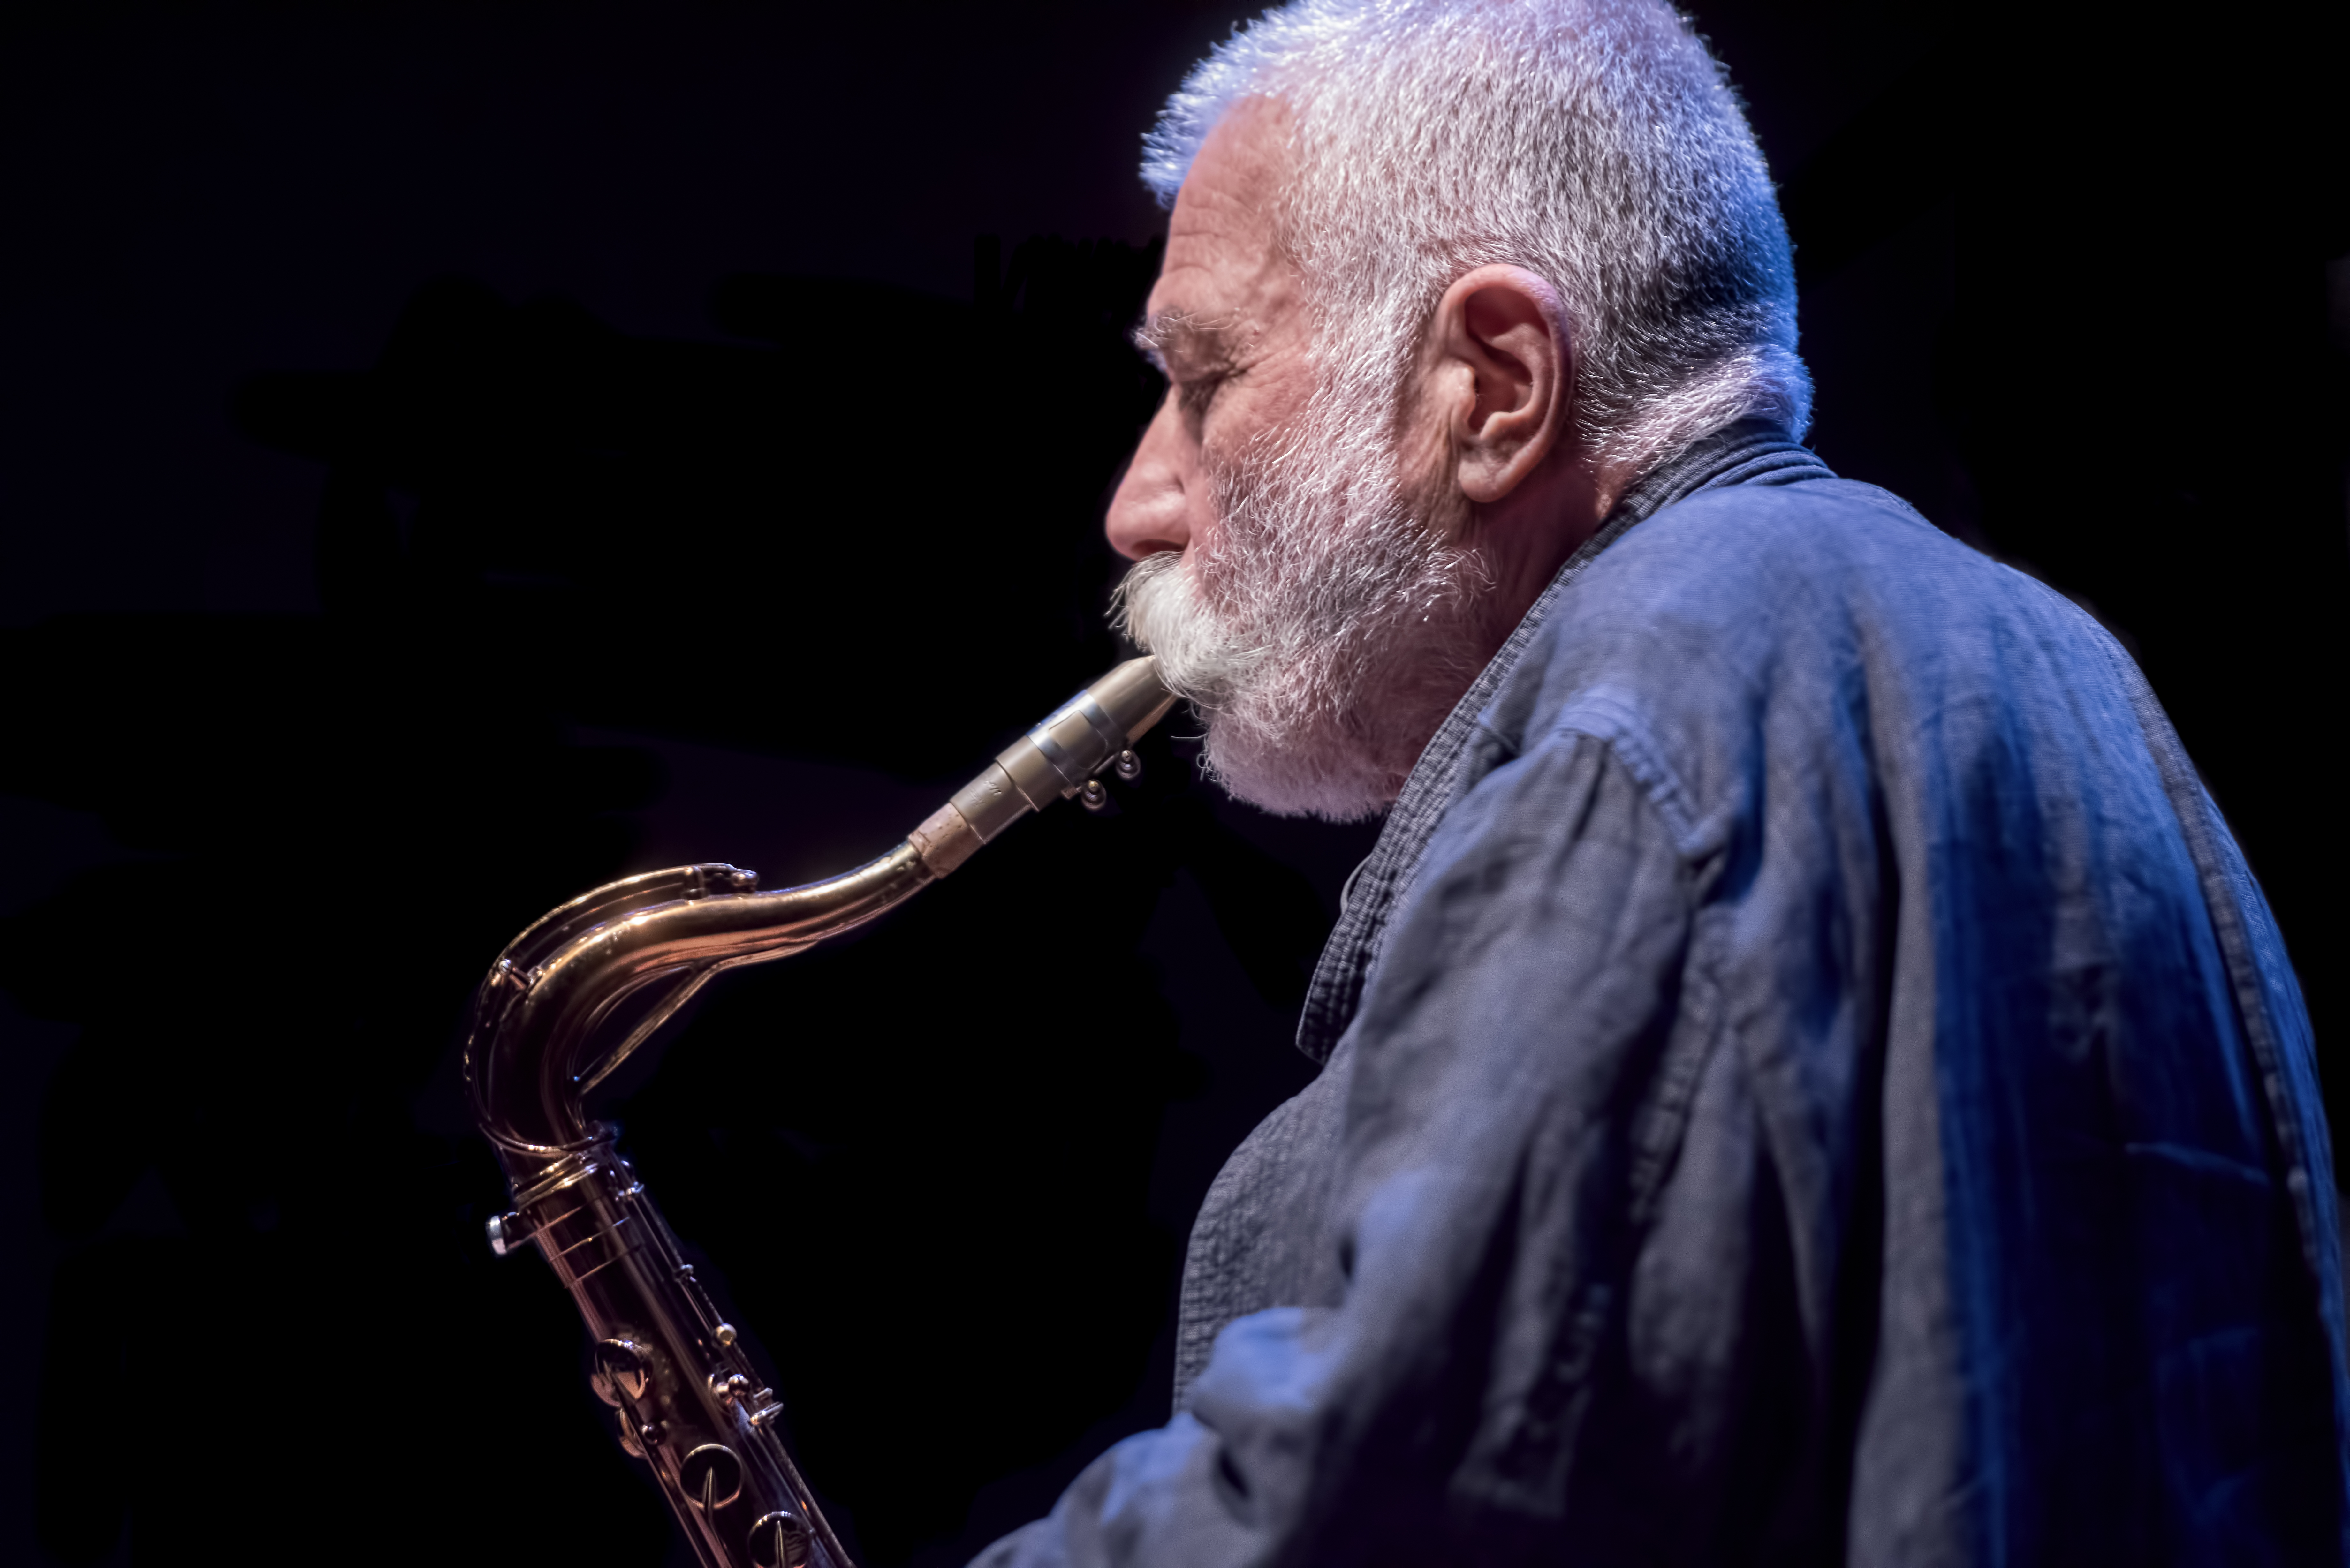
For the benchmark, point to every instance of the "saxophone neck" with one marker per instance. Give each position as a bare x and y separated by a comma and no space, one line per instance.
574,995
568,1002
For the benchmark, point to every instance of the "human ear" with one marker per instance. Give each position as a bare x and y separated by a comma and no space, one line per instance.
1500,372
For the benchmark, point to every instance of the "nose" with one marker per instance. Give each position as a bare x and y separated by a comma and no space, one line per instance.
1151,511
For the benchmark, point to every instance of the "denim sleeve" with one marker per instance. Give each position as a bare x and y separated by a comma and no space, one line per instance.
1514,1060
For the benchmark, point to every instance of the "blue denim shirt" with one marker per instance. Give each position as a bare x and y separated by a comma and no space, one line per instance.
1809,1079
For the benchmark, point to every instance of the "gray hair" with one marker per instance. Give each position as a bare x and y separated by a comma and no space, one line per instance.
1593,142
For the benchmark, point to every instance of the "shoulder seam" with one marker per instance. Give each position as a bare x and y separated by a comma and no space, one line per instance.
1607,714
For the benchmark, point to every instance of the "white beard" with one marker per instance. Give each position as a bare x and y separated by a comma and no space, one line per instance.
1327,628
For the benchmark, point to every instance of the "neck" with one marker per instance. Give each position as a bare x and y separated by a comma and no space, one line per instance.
1527,535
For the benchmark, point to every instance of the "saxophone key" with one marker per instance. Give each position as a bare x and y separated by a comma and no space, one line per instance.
621,1370
508,1232
779,1540
632,1437
712,1476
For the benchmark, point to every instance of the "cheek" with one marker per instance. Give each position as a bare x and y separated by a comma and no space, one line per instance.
1282,392
1432,492
1274,393
1424,455
1250,420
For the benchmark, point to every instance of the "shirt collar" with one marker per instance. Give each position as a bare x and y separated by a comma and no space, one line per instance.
1747,451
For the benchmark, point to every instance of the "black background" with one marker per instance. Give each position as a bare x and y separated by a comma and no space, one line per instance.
455,454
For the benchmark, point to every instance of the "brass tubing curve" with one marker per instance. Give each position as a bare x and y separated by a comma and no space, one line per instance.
547,1031
530,1058
586,984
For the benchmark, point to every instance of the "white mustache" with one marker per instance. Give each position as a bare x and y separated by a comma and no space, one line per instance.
1340,627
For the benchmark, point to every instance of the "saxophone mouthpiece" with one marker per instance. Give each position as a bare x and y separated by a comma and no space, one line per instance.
1059,759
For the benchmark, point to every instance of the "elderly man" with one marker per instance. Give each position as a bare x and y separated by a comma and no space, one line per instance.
1807,1074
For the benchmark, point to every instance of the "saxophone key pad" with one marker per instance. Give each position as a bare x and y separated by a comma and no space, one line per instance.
779,1540
620,1371
712,1476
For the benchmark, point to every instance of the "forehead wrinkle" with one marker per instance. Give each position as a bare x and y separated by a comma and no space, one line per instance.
1231,237
1208,210
1222,248
1207,313
1226,297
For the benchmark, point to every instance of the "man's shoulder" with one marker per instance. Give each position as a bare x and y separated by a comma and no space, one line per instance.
1743,545
1781,618
1742,585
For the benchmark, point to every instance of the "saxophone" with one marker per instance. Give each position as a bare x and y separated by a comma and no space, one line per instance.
573,996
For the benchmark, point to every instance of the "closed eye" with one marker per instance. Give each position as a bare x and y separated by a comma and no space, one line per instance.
1195,353
1195,396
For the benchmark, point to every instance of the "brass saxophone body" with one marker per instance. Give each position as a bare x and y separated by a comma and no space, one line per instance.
566,1002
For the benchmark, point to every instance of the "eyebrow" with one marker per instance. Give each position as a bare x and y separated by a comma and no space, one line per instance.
1185,334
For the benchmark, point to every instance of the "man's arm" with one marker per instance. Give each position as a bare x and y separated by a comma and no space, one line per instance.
1525,1058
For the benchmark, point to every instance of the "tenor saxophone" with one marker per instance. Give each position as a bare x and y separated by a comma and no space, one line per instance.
573,996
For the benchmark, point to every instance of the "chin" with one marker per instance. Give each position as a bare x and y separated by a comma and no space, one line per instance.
1291,771
1331,731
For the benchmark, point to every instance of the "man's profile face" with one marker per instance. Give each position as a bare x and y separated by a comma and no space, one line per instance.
1225,323
1318,612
